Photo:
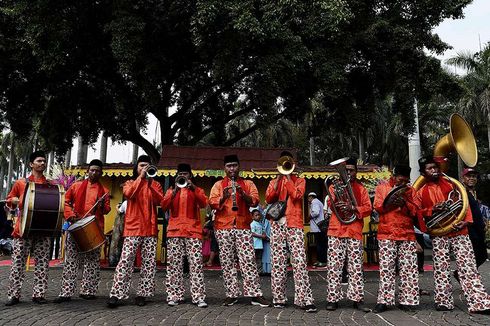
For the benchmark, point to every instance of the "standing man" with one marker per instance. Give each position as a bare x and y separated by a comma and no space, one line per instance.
84,198
316,217
477,228
184,238
22,247
430,199
396,238
345,242
232,198
288,232
143,195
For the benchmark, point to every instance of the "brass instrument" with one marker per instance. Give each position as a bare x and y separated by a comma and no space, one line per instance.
151,171
285,166
181,182
395,193
460,139
234,206
342,190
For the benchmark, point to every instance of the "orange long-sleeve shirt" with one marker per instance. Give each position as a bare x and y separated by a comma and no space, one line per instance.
396,224
18,190
354,229
429,195
141,213
91,197
225,217
185,220
294,190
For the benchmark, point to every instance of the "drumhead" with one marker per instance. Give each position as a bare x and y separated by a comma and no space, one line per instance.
81,223
28,201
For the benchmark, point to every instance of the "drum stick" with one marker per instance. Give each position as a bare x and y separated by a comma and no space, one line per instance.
28,262
96,203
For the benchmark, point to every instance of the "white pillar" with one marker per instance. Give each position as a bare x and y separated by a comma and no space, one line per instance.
414,152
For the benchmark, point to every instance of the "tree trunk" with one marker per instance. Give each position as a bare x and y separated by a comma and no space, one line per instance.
488,134
11,162
103,147
82,152
2,175
361,146
67,162
135,154
312,151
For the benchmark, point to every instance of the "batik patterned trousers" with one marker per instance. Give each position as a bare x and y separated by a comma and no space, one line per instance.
22,247
283,237
178,248
471,284
90,264
338,250
124,269
239,241
405,252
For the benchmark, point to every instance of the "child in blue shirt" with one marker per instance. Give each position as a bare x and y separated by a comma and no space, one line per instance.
258,235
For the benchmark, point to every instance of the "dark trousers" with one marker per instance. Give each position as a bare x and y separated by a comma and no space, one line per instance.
480,250
321,247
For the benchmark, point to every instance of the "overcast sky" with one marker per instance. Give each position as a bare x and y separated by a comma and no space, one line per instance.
463,35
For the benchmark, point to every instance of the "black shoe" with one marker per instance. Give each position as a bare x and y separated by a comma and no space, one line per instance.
61,299
140,301
230,301
260,301
380,307
406,307
332,306
310,308
39,300
87,296
12,302
113,302
441,307
482,312
360,306
280,305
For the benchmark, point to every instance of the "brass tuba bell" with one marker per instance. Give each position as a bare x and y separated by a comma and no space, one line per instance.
285,165
460,139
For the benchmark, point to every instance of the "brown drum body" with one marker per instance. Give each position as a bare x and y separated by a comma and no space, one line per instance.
87,234
43,209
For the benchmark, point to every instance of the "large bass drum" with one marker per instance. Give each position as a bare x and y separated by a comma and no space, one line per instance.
43,209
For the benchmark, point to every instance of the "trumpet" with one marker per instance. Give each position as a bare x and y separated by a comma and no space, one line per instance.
234,206
151,171
181,182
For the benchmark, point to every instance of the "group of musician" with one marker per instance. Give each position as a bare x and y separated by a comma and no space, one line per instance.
232,198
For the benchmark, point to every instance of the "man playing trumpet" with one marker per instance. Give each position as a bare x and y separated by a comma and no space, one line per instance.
396,238
184,236
431,199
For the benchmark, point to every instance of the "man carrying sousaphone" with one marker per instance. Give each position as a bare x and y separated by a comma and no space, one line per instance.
22,247
184,237
345,237
232,198
83,199
394,202
288,231
432,199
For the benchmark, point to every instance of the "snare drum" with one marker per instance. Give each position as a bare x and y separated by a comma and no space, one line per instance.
87,234
43,209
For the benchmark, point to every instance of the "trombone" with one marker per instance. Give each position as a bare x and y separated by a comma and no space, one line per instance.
285,166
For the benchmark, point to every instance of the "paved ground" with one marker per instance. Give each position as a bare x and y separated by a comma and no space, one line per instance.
81,312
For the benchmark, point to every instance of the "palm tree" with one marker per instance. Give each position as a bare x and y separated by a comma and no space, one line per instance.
475,103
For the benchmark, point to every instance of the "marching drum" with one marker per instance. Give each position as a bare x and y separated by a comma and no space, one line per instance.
43,209
87,234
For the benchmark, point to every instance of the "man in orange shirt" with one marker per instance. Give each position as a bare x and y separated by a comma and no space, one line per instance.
396,238
79,202
140,231
232,198
184,238
22,247
345,242
430,199
288,232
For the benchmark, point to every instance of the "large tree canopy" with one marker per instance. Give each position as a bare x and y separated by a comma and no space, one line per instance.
203,67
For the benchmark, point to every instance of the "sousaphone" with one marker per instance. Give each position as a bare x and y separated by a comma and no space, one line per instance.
460,139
